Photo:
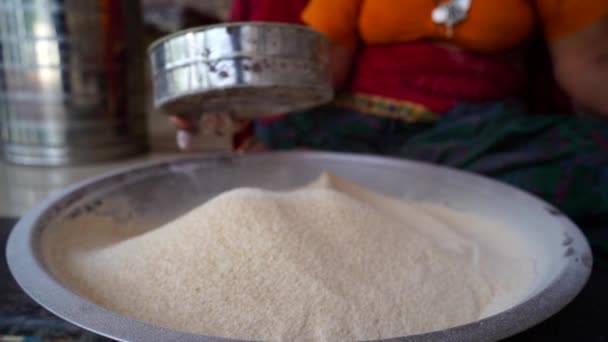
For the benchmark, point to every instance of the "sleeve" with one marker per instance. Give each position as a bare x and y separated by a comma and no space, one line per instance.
239,11
281,11
561,18
338,19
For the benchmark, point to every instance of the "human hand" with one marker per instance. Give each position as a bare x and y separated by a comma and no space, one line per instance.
217,125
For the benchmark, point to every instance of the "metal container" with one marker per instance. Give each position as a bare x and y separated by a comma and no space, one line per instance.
246,69
71,80
152,194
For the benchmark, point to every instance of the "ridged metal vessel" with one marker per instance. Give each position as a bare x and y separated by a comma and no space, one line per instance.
246,69
71,80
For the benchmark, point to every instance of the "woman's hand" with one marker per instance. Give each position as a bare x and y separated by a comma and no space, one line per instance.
341,64
217,125
581,67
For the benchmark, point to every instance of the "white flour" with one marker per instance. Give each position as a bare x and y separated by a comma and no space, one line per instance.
331,261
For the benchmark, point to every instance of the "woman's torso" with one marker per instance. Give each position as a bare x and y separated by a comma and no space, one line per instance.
406,56
490,25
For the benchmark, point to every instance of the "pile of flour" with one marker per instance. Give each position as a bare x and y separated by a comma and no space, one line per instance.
329,261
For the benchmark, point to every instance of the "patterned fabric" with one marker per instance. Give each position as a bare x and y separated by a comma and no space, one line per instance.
22,320
386,107
562,159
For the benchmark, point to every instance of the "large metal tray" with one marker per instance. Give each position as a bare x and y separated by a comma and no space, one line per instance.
156,192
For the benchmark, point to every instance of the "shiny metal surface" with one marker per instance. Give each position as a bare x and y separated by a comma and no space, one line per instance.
71,81
246,69
154,193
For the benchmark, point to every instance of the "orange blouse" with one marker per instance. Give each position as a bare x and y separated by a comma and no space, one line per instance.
491,25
